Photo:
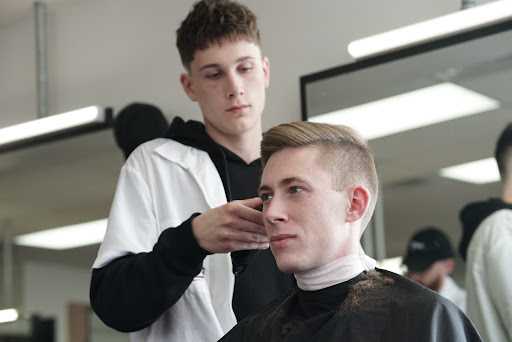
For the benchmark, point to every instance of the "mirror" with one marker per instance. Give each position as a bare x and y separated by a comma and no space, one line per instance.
413,194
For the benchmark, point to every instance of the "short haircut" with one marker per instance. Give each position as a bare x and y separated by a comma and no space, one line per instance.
211,22
343,153
503,151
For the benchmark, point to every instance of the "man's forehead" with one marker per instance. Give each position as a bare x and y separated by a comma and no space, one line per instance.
232,50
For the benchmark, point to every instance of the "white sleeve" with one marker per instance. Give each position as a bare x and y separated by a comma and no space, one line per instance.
132,224
498,259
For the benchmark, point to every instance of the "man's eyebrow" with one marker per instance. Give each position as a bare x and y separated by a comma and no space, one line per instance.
207,66
217,65
283,182
289,180
263,188
244,58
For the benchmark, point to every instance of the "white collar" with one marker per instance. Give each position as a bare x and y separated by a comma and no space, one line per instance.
335,272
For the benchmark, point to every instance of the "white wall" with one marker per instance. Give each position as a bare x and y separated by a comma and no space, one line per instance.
113,52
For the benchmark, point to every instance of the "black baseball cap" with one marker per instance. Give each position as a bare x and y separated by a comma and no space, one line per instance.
426,247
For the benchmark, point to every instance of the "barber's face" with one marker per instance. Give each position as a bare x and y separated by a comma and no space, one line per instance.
229,81
303,215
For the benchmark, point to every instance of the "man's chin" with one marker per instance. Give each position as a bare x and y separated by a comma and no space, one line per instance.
287,267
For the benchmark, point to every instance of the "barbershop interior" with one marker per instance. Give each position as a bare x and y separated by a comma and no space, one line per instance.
443,87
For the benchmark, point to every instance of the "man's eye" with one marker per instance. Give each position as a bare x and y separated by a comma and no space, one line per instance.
265,197
295,189
213,75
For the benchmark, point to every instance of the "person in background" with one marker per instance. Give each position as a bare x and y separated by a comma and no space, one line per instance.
174,263
486,245
137,123
319,189
430,261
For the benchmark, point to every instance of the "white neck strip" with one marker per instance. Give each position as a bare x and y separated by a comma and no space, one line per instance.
336,272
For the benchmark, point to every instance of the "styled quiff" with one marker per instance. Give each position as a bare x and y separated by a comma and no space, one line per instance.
343,153
212,22
503,152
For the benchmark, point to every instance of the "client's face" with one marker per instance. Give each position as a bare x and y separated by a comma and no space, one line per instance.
304,217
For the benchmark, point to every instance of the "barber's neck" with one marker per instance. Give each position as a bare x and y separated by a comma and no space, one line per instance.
246,145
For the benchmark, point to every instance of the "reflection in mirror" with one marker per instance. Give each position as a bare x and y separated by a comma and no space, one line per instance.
476,63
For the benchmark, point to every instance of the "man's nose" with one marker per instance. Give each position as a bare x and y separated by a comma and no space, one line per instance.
234,86
275,211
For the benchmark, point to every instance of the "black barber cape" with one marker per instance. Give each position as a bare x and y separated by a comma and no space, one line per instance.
397,310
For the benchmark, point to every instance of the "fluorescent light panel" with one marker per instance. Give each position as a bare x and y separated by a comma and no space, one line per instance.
51,124
477,172
440,27
78,235
414,109
55,127
8,315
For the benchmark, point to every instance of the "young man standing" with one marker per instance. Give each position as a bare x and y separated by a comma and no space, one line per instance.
184,201
486,246
319,189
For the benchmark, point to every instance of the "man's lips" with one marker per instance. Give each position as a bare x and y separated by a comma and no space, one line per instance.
237,109
281,239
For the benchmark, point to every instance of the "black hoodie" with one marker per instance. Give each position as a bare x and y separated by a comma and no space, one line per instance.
263,282
472,215
132,292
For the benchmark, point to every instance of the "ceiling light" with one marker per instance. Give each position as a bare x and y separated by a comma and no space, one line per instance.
414,109
477,172
55,127
8,315
437,28
78,235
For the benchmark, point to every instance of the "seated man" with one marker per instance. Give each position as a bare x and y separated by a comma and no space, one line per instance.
429,260
319,189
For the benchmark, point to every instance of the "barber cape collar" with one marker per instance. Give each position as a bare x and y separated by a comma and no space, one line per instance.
335,272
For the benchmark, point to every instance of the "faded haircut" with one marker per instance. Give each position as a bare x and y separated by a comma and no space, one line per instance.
343,153
503,151
212,22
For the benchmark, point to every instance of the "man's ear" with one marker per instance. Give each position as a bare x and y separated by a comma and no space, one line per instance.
359,201
186,83
266,71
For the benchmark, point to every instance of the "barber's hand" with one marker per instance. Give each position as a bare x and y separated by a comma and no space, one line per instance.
235,226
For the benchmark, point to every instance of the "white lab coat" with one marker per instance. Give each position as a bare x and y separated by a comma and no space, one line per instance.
161,185
488,277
